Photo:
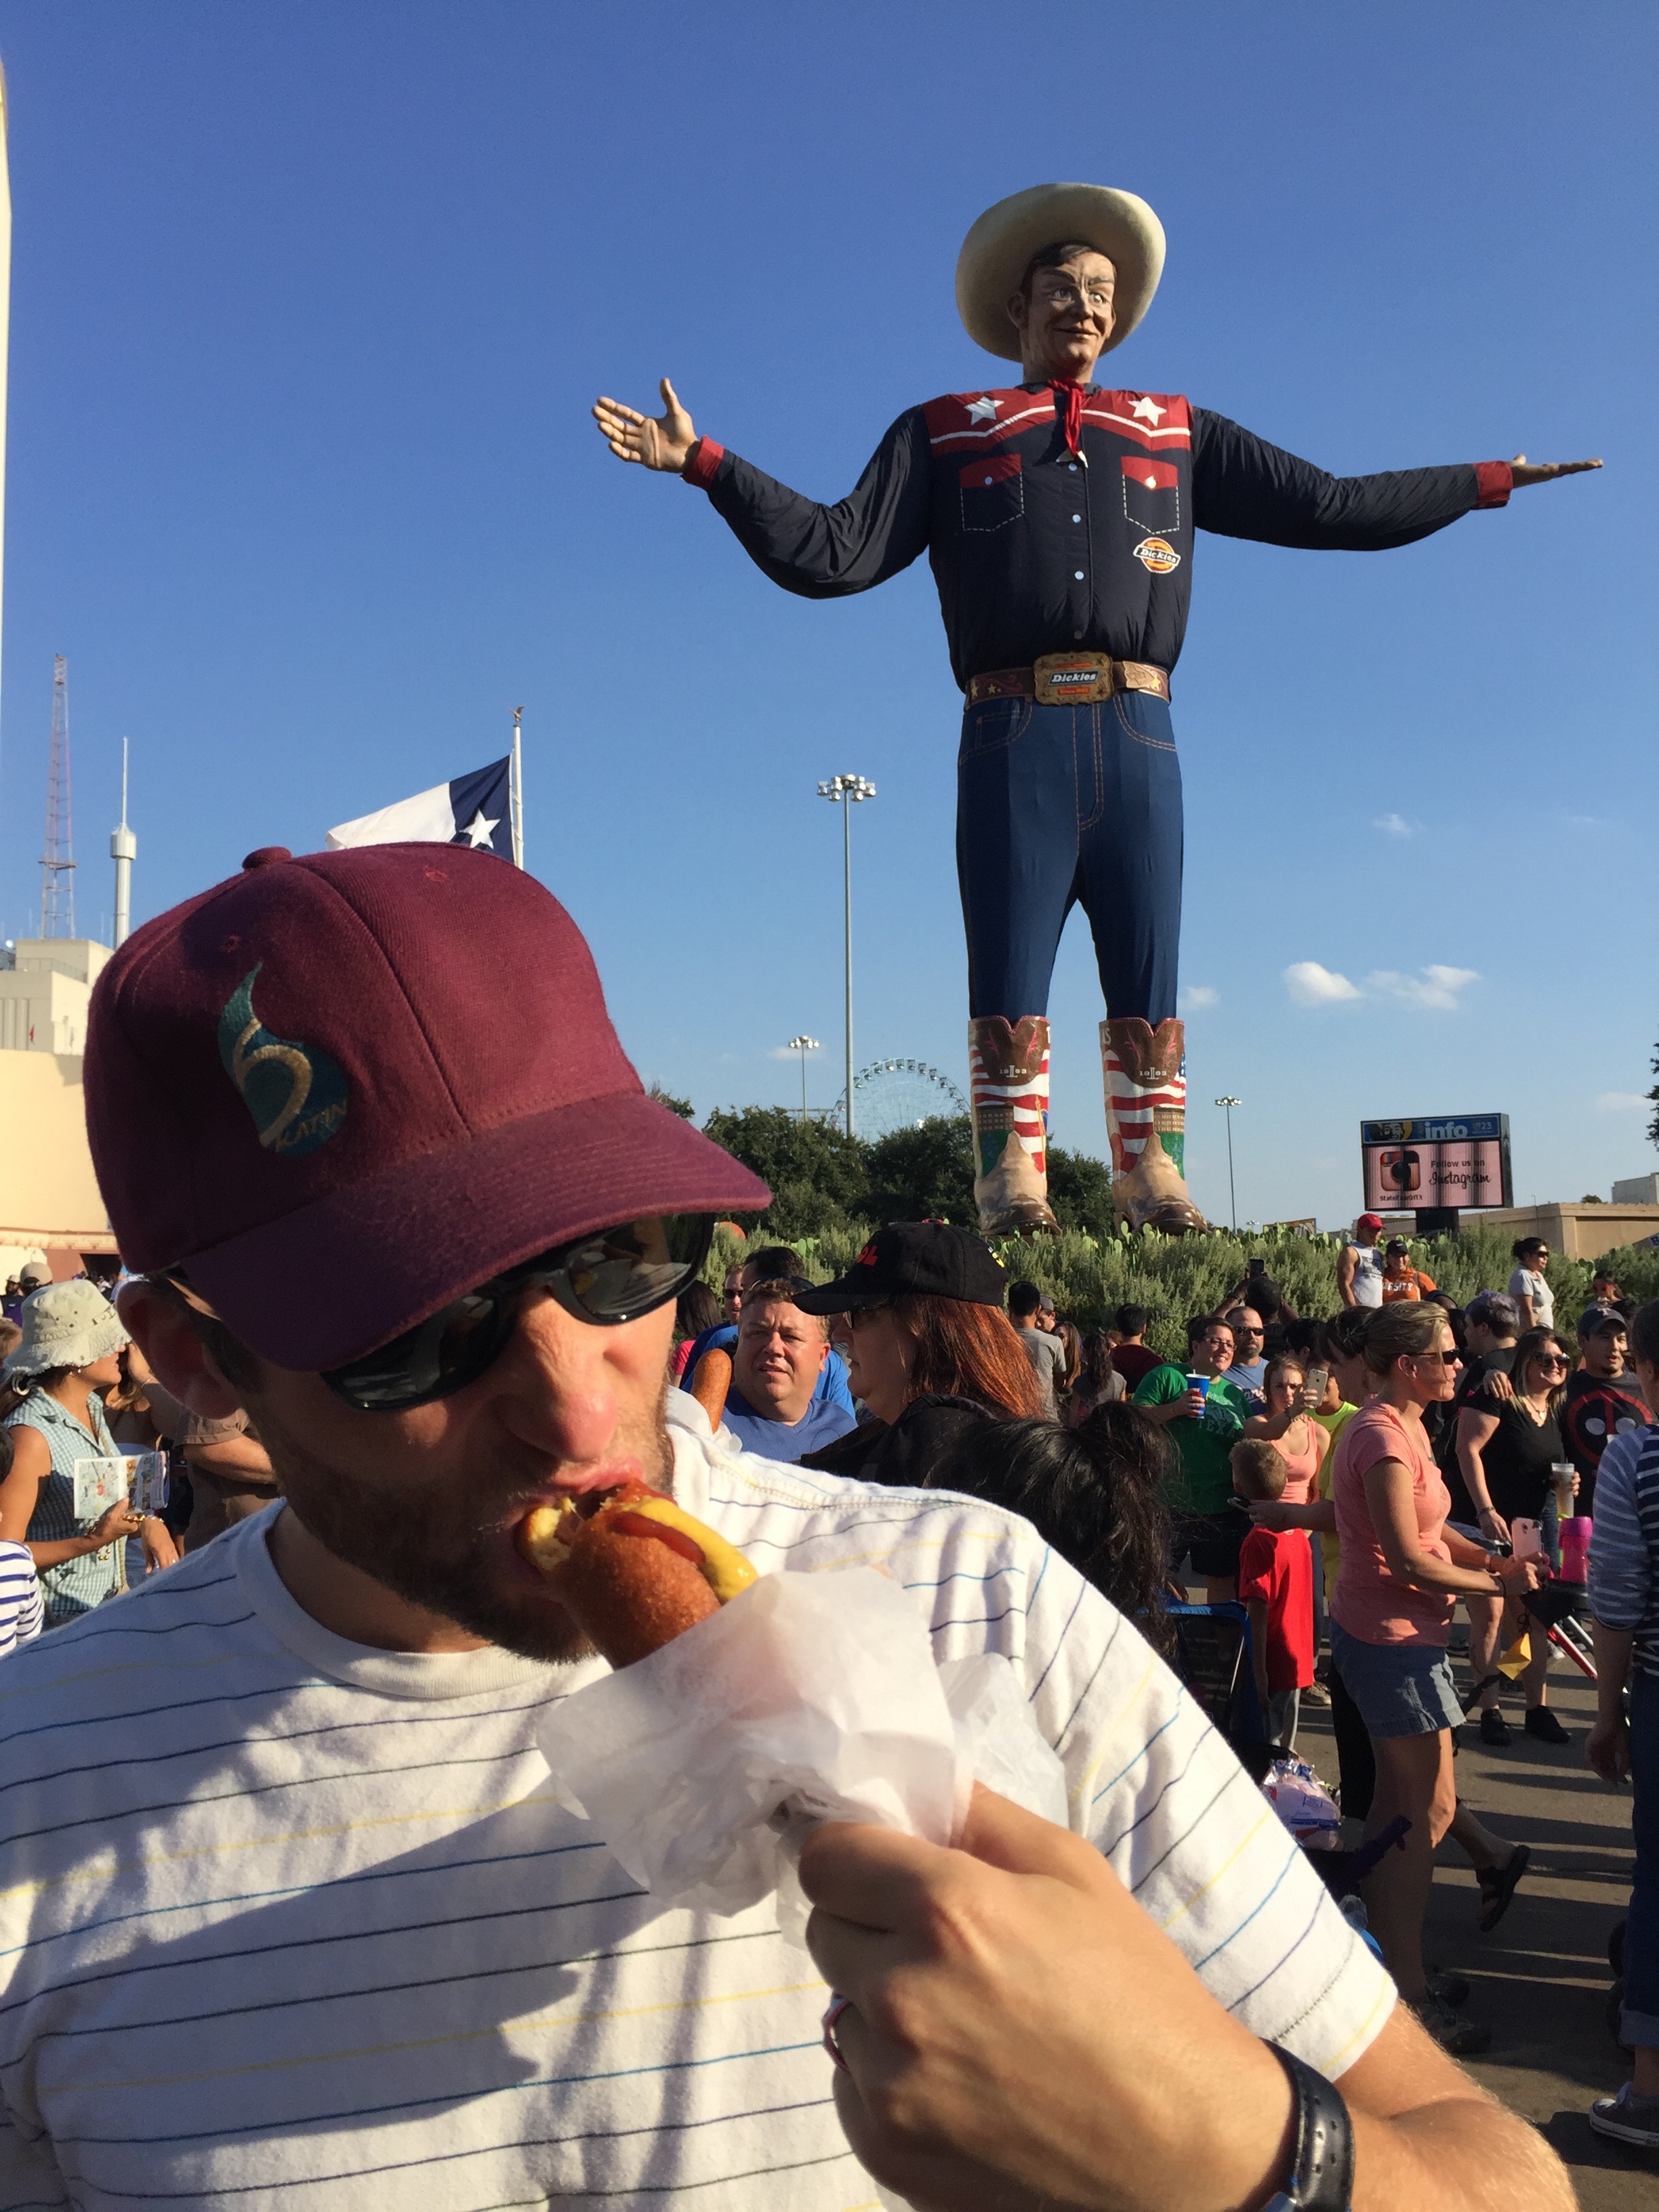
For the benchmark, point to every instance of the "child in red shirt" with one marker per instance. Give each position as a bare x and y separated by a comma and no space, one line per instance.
1275,1584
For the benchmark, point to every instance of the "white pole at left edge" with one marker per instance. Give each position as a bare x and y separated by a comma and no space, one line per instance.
5,310
515,789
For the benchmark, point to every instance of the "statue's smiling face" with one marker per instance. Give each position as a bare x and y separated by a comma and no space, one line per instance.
1065,317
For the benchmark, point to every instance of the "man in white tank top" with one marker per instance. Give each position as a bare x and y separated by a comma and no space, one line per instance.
1359,1264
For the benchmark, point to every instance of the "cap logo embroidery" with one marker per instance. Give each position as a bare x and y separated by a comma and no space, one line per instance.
296,1093
866,1258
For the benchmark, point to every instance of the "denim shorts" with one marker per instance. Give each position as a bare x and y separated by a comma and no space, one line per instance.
1213,1541
1400,1689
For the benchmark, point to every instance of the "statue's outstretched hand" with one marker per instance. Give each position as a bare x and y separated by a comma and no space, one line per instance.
1526,472
662,443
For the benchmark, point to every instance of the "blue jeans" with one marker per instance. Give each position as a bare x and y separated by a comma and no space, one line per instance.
1061,806
1640,2019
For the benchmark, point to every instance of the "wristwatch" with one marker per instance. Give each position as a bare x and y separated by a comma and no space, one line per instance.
1320,2178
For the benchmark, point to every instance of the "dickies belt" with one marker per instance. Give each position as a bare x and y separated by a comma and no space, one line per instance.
1068,679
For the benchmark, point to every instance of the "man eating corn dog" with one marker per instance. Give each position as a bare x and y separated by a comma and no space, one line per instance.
292,1914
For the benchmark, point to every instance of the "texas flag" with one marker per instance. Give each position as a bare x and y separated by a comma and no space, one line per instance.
470,809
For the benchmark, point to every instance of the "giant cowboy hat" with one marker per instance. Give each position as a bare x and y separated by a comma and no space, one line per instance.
996,252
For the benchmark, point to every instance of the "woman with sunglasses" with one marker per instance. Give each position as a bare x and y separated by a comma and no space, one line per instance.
1507,1453
1402,1574
1287,1426
930,1352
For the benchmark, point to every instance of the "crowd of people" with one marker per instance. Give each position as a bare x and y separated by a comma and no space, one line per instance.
1437,1453
339,1654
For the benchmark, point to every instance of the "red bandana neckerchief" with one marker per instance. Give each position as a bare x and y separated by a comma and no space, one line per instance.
1072,395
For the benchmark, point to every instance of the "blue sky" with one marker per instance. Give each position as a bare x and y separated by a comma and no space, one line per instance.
308,307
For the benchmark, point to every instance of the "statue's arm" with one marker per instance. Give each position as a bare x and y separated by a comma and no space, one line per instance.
1242,486
820,550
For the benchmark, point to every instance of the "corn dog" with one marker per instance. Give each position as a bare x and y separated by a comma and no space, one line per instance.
711,1382
632,1569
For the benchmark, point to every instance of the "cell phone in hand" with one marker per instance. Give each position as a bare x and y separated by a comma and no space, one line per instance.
1527,1539
1314,1381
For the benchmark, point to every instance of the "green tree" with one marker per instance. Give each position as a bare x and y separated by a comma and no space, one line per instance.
1080,1191
924,1172
682,1107
817,1175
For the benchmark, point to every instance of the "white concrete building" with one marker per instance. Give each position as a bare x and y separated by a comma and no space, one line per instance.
44,996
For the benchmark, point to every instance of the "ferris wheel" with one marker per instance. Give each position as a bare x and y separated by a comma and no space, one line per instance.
899,1094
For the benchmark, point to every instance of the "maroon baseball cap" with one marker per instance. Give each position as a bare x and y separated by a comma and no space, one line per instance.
341,1090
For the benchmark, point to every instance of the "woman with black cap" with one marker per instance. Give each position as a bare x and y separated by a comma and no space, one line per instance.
929,1351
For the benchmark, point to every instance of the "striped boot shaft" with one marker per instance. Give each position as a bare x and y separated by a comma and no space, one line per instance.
1146,1088
1008,1088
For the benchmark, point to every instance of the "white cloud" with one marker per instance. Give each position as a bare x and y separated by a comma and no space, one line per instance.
1311,985
1622,1102
1433,987
1396,825
788,1052
1197,996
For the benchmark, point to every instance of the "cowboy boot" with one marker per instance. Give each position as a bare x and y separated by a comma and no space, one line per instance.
1008,1091
1146,1121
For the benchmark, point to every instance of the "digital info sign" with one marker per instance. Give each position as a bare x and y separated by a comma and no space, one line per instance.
1437,1159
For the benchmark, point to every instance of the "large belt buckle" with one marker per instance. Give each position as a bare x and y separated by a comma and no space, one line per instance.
1072,679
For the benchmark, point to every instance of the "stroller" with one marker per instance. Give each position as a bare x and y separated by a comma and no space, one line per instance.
1213,1659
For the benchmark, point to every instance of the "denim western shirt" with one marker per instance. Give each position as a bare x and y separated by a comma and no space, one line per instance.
1038,550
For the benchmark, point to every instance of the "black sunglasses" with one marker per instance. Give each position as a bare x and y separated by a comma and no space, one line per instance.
606,1278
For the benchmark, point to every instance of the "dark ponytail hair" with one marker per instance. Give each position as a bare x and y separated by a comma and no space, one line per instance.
1092,1491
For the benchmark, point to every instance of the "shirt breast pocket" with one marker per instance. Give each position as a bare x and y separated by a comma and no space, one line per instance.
993,492
1151,495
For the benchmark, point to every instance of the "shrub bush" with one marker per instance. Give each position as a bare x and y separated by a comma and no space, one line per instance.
1088,1276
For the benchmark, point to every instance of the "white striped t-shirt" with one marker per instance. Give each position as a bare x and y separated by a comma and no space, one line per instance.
287,1922
22,1612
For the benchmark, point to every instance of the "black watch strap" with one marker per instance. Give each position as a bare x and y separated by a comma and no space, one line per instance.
1320,2177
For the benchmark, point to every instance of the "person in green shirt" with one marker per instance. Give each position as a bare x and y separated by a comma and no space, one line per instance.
1205,1426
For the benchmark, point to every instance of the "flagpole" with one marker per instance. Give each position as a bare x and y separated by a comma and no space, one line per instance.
515,790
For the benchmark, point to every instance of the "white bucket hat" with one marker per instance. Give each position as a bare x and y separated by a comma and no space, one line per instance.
64,1325
996,252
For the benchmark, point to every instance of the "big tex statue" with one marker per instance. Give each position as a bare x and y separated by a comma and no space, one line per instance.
1059,518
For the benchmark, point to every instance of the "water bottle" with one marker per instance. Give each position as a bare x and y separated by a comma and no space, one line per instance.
1575,1548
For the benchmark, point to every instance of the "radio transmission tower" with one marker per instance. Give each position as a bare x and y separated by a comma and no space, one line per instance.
57,861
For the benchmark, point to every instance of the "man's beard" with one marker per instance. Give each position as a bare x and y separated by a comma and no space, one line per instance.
441,1552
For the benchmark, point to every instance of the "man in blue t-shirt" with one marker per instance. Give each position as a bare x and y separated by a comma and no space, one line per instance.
772,1407
773,1262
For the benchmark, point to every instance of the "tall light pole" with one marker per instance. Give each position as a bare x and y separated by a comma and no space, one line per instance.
124,851
1232,1194
846,791
803,1045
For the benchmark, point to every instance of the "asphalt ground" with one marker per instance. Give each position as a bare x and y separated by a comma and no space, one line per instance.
1541,1980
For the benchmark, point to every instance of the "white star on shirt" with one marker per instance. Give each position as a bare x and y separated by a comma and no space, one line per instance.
480,829
983,410
1148,410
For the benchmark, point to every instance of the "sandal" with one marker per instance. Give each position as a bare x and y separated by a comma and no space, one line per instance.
1497,1887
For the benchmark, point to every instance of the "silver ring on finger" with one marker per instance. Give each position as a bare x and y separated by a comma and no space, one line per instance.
833,2012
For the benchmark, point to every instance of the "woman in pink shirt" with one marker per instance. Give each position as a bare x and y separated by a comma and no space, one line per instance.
1299,1441
1401,1576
